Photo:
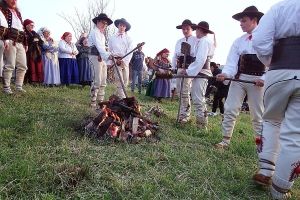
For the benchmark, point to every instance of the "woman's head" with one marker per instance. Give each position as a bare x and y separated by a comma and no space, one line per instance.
84,41
164,53
67,36
29,24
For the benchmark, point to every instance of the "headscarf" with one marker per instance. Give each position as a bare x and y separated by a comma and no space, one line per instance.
28,21
41,32
65,35
81,40
163,51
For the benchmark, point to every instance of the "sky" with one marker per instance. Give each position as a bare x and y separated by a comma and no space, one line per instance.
153,22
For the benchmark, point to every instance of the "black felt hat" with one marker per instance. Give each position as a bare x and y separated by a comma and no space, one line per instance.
102,16
186,22
250,11
123,21
204,25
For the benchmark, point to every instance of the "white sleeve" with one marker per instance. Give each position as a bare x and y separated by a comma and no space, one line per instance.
201,57
231,66
63,48
263,38
130,47
104,54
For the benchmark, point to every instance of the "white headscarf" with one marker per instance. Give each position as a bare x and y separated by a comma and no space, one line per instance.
41,32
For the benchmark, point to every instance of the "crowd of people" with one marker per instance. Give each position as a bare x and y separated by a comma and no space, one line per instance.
253,58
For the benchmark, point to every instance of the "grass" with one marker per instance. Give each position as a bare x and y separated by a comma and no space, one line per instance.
44,155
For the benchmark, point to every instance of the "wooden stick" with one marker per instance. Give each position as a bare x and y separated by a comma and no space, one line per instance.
141,44
120,78
170,76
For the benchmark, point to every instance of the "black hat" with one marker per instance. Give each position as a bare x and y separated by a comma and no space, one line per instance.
103,16
250,11
204,25
185,22
123,21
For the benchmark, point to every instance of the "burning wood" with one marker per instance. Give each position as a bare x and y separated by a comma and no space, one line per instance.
121,119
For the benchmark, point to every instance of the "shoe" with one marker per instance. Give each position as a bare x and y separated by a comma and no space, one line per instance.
93,105
212,114
183,121
222,144
262,179
7,90
20,89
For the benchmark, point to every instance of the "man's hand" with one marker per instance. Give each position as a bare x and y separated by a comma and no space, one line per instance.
260,83
119,62
213,88
183,72
221,77
174,71
6,46
161,71
26,48
36,39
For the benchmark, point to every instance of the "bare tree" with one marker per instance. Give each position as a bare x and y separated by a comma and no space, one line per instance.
82,22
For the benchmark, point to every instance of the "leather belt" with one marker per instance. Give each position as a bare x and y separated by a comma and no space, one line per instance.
188,61
16,35
94,51
3,32
250,64
286,54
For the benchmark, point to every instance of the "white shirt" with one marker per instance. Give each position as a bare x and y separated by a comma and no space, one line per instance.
281,21
16,22
191,40
97,39
65,50
204,48
241,45
120,46
3,21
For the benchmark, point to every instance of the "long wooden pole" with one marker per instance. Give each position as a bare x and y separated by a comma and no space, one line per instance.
170,76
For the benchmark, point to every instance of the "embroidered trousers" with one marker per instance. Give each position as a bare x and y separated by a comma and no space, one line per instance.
234,101
281,130
99,79
15,57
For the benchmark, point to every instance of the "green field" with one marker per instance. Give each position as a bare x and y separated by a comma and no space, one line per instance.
44,155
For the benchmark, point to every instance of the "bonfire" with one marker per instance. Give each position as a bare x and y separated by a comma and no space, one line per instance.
121,119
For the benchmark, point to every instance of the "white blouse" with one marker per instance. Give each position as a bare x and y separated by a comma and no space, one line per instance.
65,50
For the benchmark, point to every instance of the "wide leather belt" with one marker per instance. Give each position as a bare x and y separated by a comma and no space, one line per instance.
16,35
286,54
3,32
94,51
188,61
250,64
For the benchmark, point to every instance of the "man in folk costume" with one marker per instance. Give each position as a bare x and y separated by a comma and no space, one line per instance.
98,57
119,45
242,63
177,62
17,41
3,44
204,52
279,149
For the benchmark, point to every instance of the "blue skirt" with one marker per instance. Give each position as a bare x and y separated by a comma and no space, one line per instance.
85,70
162,88
68,71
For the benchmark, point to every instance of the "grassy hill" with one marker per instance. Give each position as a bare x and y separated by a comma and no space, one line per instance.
44,155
